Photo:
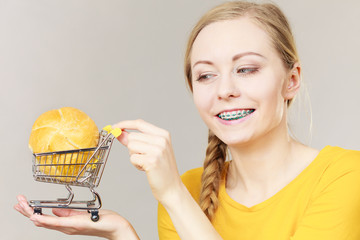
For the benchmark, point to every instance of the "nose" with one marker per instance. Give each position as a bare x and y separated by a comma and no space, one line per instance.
227,88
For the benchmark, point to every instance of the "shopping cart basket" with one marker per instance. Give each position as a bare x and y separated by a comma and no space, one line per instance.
80,167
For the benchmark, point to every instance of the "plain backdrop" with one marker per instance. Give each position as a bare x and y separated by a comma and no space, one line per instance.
123,59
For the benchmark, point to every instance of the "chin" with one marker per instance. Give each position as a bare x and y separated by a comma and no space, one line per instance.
235,140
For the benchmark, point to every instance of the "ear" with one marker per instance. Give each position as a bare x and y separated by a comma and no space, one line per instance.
293,82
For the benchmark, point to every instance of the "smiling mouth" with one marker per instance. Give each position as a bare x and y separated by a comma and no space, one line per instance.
234,115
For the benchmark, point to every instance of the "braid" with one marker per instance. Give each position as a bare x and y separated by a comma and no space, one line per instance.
210,180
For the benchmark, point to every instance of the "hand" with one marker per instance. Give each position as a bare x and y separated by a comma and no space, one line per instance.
151,151
111,225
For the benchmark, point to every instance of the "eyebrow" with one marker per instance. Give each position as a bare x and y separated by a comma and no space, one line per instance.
236,57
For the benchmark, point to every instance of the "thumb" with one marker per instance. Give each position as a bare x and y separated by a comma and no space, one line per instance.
123,138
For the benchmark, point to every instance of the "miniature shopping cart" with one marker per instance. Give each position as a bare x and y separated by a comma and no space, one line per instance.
80,167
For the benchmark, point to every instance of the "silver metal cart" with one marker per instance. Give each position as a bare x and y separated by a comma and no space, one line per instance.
80,167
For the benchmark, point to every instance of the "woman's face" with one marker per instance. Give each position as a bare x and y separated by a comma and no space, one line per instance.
239,81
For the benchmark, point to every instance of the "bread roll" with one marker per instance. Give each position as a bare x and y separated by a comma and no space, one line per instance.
59,130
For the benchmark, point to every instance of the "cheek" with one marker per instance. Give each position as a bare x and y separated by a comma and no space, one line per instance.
272,96
269,94
275,108
202,100
270,88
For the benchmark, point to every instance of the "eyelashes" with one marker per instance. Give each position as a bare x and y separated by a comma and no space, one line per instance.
205,76
247,71
242,72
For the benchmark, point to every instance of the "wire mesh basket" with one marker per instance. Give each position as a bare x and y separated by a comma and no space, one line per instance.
80,167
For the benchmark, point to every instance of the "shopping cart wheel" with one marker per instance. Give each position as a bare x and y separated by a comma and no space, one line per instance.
38,211
95,215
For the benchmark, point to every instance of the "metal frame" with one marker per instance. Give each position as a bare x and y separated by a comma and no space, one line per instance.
80,167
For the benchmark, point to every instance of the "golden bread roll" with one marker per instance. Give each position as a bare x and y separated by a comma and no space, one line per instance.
60,130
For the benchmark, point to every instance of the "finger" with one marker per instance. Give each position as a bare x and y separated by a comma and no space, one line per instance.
18,208
139,147
61,224
23,206
123,138
146,138
141,126
47,221
144,162
138,161
61,212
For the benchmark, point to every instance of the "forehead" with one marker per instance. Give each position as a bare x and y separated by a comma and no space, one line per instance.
223,39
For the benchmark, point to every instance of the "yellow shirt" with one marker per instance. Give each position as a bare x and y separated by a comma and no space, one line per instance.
321,203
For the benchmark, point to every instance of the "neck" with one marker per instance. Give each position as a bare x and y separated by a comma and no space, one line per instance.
257,166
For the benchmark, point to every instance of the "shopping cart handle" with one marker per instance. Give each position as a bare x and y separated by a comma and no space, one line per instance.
107,128
116,131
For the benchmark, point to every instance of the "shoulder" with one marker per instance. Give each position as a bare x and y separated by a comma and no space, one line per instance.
339,151
192,181
340,159
192,174
339,169
334,187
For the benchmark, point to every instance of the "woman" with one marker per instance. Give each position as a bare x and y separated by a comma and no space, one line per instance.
243,69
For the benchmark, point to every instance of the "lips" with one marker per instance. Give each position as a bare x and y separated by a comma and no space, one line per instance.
235,114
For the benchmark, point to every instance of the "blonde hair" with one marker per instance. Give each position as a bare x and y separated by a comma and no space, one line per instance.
271,19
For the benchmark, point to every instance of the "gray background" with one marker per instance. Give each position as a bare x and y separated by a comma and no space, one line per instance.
118,60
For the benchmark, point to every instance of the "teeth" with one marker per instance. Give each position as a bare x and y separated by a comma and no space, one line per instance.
233,115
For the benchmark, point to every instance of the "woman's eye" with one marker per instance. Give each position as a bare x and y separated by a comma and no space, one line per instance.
246,71
205,77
